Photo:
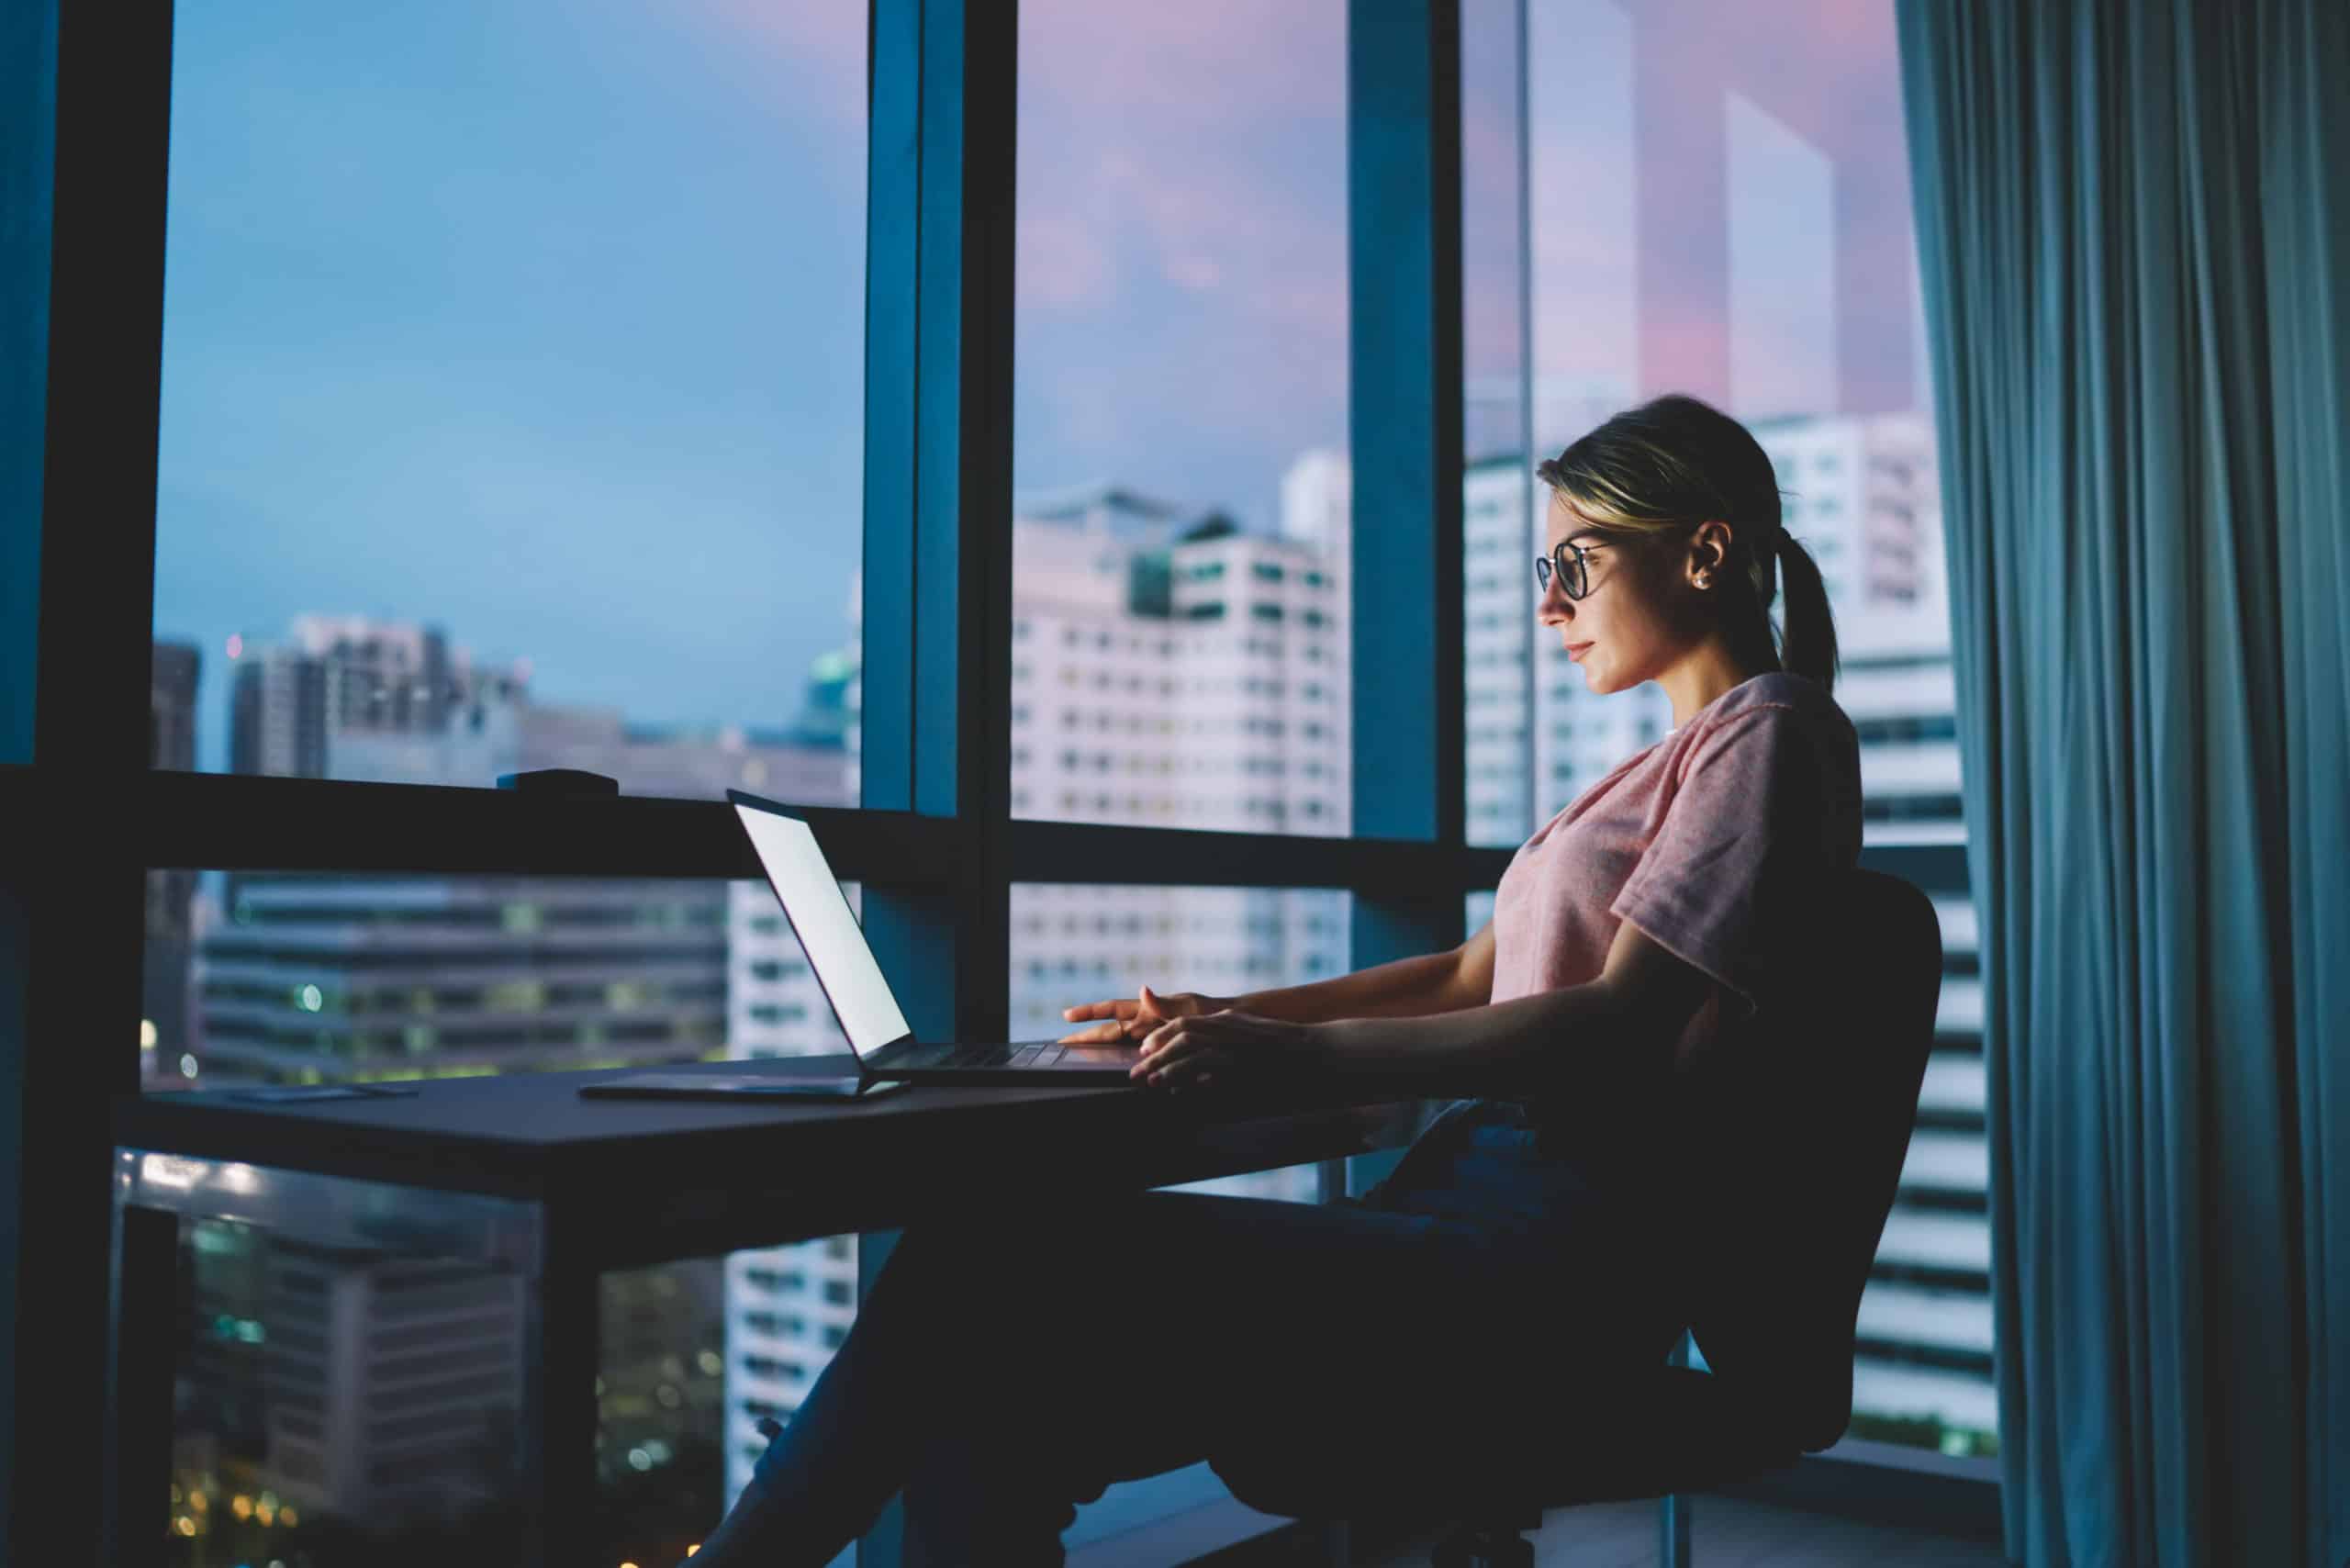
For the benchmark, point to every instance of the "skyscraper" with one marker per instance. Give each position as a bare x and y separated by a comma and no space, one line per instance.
1168,668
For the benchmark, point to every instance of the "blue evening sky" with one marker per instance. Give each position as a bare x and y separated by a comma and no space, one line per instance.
544,322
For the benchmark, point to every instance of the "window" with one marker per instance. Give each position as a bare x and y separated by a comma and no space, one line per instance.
1787,295
506,292
463,309
1109,941
1179,410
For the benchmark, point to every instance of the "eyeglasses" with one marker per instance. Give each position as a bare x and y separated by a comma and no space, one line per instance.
1569,561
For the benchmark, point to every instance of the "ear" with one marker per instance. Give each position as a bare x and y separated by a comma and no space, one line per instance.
1709,549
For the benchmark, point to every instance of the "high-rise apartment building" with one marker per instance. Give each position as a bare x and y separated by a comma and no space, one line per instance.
317,976
277,715
395,1383
1168,668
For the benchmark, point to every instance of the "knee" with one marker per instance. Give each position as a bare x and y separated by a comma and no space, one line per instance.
981,1253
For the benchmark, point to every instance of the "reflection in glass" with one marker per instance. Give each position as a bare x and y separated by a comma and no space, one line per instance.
320,978
1180,547
1719,204
1074,943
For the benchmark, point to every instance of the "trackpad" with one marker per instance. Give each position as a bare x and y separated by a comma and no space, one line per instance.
1099,1057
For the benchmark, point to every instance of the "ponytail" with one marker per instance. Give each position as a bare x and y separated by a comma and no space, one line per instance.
1808,631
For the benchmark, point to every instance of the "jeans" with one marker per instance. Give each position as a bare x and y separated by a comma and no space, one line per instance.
1010,1363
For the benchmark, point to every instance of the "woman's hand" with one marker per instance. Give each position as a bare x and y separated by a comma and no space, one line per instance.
1224,1046
1133,1020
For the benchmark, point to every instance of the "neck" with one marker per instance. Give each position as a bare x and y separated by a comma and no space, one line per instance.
1710,669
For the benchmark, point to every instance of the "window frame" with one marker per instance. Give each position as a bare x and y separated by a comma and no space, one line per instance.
85,121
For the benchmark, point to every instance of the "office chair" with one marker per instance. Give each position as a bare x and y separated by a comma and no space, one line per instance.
1812,1117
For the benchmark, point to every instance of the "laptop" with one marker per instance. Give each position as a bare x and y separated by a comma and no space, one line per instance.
861,998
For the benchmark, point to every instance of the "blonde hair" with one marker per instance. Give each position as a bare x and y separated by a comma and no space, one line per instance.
1675,462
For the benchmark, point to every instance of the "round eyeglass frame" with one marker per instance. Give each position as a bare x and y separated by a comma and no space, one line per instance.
1567,561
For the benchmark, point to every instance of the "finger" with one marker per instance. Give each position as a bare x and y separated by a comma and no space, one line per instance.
1183,1049
1100,1034
1166,1044
1177,1030
1121,1008
1184,1072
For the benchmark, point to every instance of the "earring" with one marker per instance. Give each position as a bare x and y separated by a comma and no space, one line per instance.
1705,581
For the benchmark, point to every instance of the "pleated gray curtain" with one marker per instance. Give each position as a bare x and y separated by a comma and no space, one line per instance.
2134,225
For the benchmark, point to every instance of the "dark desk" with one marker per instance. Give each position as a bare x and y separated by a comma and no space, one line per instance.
522,1172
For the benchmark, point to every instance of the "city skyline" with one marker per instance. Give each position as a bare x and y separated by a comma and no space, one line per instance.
490,442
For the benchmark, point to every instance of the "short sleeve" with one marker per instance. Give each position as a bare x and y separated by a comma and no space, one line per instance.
1754,831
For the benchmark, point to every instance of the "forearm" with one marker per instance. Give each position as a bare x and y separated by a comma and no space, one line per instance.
1550,1039
1408,988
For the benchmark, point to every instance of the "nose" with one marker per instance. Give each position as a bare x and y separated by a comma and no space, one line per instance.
1556,608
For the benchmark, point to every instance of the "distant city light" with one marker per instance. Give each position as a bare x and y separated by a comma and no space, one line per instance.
236,646
147,1035
639,1459
188,1065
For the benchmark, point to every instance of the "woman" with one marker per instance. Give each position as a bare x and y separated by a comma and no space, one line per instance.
1000,1375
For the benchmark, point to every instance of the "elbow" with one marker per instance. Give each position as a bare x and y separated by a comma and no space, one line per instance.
1463,982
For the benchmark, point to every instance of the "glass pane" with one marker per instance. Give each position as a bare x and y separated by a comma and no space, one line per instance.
1480,910
1179,592
1498,487
322,979
512,409
336,1404
309,979
340,1405
1721,206
1075,944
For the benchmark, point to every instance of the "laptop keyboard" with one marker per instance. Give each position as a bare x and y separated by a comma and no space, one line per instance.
1005,1056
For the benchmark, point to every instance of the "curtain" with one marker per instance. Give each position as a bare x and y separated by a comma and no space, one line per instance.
2134,224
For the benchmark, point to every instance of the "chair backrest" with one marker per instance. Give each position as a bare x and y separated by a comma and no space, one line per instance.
1805,1129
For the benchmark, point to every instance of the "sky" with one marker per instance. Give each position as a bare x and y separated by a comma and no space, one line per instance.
545,323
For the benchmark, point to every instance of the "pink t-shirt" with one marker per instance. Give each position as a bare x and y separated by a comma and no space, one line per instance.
1713,841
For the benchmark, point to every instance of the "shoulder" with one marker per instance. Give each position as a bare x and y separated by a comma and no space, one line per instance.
1771,724
1782,704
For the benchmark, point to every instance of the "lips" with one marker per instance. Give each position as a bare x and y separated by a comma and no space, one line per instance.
1575,650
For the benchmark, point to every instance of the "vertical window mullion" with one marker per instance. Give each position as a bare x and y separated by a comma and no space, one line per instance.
1405,403
82,154
938,598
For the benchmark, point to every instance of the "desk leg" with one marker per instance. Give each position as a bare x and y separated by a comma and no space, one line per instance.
883,1545
1326,1542
144,1306
559,1452
1672,1510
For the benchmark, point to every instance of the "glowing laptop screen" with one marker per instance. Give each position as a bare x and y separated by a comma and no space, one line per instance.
826,928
